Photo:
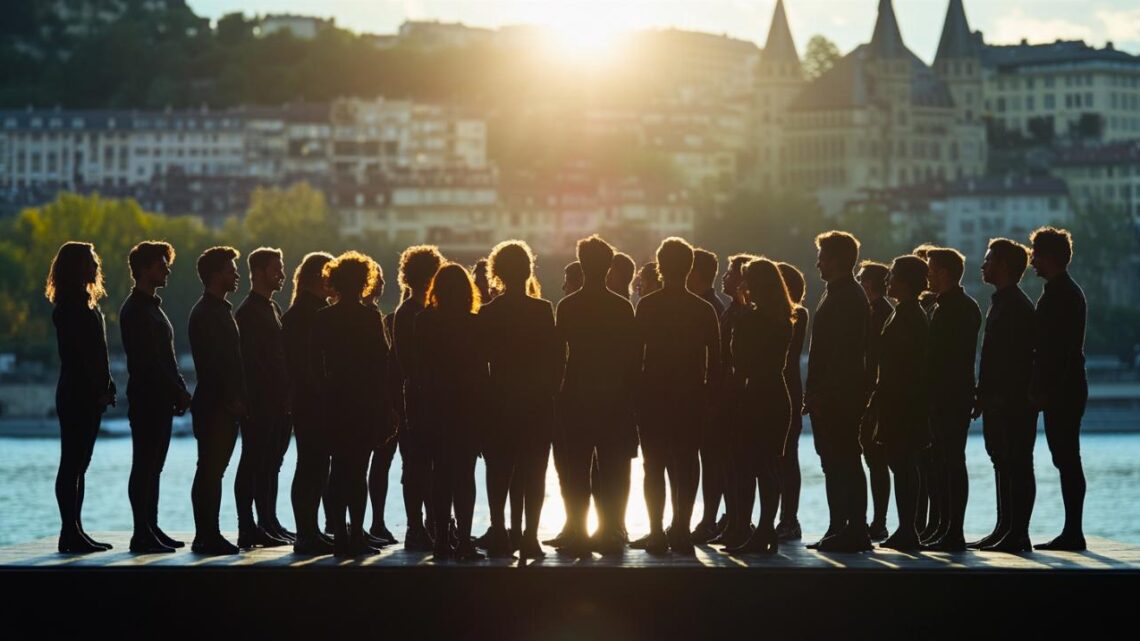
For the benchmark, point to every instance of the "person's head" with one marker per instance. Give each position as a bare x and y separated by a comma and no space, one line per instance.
453,289
766,291
945,270
838,253
571,278
1052,251
76,273
217,269
619,279
733,277
873,277
511,265
309,276
674,260
703,274
794,279
482,279
418,264
648,280
907,278
922,250
150,263
595,256
352,276
266,269
1005,262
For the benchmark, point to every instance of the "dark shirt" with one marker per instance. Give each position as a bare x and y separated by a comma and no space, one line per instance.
404,350
881,310
215,344
81,335
148,340
1006,370
712,298
352,352
954,324
297,341
263,355
522,348
900,393
451,373
792,373
1059,364
728,320
836,355
680,334
598,335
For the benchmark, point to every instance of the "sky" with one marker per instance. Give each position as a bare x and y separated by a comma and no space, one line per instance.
846,22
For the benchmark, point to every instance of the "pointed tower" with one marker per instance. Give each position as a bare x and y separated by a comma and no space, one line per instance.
959,62
889,68
779,78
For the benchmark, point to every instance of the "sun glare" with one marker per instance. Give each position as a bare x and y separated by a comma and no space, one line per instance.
584,32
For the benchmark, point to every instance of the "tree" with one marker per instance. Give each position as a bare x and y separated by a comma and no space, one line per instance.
819,57
296,220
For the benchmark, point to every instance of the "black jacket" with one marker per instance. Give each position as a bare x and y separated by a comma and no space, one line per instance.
1059,364
148,339
881,310
1006,370
899,402
836,355
297,341
84,375
263,355
215,344
954,324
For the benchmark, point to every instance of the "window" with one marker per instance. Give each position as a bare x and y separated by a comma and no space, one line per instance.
1050,101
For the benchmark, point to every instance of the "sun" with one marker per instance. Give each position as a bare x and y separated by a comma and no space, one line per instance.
583,31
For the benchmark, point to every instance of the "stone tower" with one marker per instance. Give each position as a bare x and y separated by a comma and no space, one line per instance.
889,70
779,78
959,63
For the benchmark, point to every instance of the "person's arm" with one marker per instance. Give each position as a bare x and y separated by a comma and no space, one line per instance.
553,352
713,365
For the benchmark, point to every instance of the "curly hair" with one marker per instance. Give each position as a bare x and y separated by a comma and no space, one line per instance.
352,274
309,272
214,260
767,291
69,274
147,253
418,264
513,261
453,288
1052,241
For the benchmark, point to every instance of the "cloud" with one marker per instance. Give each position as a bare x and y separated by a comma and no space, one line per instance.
1120,25
1016,26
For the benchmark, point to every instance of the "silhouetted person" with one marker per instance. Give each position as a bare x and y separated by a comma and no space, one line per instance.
1009,420
525,370
714,454
834,393
314,448
789,527
571,278
452,376
418,265
595,405
482,280
155,389
899,403
348,338
1060,387
680,338
954,324
873,277
927,512
647,281
85,388
760,341
385,446
220,401
571,282
265,435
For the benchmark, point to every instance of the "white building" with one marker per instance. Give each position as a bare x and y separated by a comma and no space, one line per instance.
979,209
303,27
1103,176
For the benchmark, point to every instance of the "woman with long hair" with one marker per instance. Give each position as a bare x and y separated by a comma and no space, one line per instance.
452,375
522,350
790,480
85,388
349,341
760,348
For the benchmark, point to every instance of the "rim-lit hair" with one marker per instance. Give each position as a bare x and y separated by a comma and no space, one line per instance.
674,258
1052,241
794,279
911,270
648,272
70,274
595,255
214,260
875,273
352,275
453,288
923,249
844,247
418,264
309,272
949,259
706,264
767,291
261,257
512,261
623,270
1012,254
147,253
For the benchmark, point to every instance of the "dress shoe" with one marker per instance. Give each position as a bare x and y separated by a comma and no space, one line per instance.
497,543
576,546
988,540
656,544
277,531
640,543
736,536
466,551
373,541
607,543
761,542
789,531
87,537
703,533
878,531
849,540
557,540
530,549
166,539
257,537
948,543
1011,544
312,546
75,543
417,539
902,543
826,535
148,543
355,546
381,531
1065,543
679,542
213,546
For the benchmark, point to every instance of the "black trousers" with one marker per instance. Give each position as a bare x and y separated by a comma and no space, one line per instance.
453,485
348,482
1063,433
416,474
950,433
78,429
837,443
314,453
150,441
1010,438
382,456
216,431
264,441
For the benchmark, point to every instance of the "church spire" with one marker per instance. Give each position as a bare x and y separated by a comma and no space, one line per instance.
957,41
780,47
887,41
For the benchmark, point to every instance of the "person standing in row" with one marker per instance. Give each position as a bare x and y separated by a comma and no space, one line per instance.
1060,385
220,401
525,369
156,391
899,404
714,466
760,341
789,528
351,353
1009,421
310,294
572,278
384,448
265,435
619,280
834,394
954,324
85,389
873,277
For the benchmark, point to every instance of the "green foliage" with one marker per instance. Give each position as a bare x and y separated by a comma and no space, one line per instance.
819,57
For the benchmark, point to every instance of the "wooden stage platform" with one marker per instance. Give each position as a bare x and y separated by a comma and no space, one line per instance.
271,592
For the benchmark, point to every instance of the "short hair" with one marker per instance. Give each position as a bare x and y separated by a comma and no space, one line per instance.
453,287
705,263
674,258
623,265
595,255
841,245
1012,254
352,274
738,261
794,279
261,257
922,250
1052,241
68,277
910,269
875,273
649,272
309,272
949,259
147,253
513,261
214,260
418,264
